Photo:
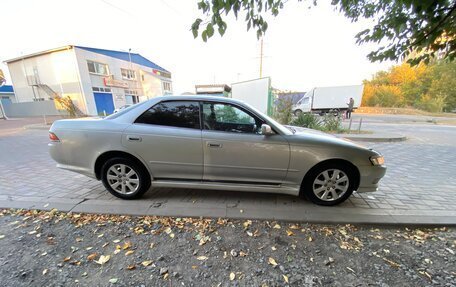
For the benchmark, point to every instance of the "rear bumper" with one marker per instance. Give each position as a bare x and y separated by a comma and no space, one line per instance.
370,177
58,154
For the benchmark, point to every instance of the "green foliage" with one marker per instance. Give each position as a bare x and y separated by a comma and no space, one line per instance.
417,30
332,123
307,120
283,112
328,123
428,87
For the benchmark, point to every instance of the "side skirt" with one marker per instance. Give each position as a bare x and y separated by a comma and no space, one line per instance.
269,188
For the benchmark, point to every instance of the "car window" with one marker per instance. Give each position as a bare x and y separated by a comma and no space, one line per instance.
229,118
182,114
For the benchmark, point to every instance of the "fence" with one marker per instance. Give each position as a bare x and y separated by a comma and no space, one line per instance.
32,109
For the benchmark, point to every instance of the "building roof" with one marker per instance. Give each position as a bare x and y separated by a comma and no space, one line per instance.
135,58
6,89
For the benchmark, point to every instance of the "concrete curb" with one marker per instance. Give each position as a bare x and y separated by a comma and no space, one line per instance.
37,127
373,137
310,214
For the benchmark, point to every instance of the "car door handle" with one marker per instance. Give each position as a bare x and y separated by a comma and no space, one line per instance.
134,138
214,145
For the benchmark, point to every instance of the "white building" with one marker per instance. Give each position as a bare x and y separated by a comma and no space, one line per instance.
97,80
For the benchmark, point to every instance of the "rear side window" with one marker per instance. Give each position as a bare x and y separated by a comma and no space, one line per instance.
174,114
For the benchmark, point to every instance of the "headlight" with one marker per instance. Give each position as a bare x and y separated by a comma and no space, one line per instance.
377,160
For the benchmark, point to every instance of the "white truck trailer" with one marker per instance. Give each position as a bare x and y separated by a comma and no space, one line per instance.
255,92
329,99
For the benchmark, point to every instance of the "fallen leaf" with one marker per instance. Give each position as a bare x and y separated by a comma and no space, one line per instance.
66,259
129,252
151,245
232,276
272,261
103,259
201,258
79,239
45,271
92,256
104,245
194,266
126,245
2,236
131,267
276,226
88,248
171,235
285,277
101,235
273,248
247,223
242,254
116,241
146,263
290,233
166,276
310,239
113,280
168,230
249,233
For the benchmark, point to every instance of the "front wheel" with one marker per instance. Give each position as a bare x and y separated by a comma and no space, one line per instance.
124,178
329,184
297,113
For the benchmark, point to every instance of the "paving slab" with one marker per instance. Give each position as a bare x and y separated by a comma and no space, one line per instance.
415,190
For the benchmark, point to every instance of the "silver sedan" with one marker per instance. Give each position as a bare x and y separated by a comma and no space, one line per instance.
212,143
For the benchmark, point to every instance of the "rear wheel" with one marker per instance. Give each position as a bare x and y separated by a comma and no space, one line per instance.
125,178
297,112
329,184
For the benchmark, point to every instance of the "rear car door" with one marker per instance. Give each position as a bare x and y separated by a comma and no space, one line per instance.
236,151
168,137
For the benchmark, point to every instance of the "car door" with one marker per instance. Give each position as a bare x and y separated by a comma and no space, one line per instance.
168,137
236,151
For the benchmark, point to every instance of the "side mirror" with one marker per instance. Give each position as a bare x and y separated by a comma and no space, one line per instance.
266,130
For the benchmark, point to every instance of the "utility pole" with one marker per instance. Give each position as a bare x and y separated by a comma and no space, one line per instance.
261,58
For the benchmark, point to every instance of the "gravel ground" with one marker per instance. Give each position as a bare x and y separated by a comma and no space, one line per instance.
59,249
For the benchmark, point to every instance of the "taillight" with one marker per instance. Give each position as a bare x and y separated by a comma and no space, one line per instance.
53,137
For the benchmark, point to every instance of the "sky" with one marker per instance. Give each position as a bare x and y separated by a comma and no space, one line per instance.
303,48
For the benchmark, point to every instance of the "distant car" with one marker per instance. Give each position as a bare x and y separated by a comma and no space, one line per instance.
212,143
121,108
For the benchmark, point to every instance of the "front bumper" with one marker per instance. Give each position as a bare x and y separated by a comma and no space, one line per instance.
370,177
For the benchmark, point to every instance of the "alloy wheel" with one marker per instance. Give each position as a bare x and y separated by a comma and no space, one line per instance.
330,184
123,179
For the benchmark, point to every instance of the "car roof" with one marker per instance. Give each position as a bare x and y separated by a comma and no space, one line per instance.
197,98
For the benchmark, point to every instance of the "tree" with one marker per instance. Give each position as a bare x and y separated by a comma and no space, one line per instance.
427,87
416,30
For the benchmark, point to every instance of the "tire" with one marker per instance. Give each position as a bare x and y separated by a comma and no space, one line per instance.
125,178
322,190
297,113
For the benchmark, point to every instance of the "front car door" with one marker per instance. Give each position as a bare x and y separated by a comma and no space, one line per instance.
168,137
236,151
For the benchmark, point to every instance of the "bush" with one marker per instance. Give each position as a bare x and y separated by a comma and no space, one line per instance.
332,123
307,120
328,123
432,104
283,111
